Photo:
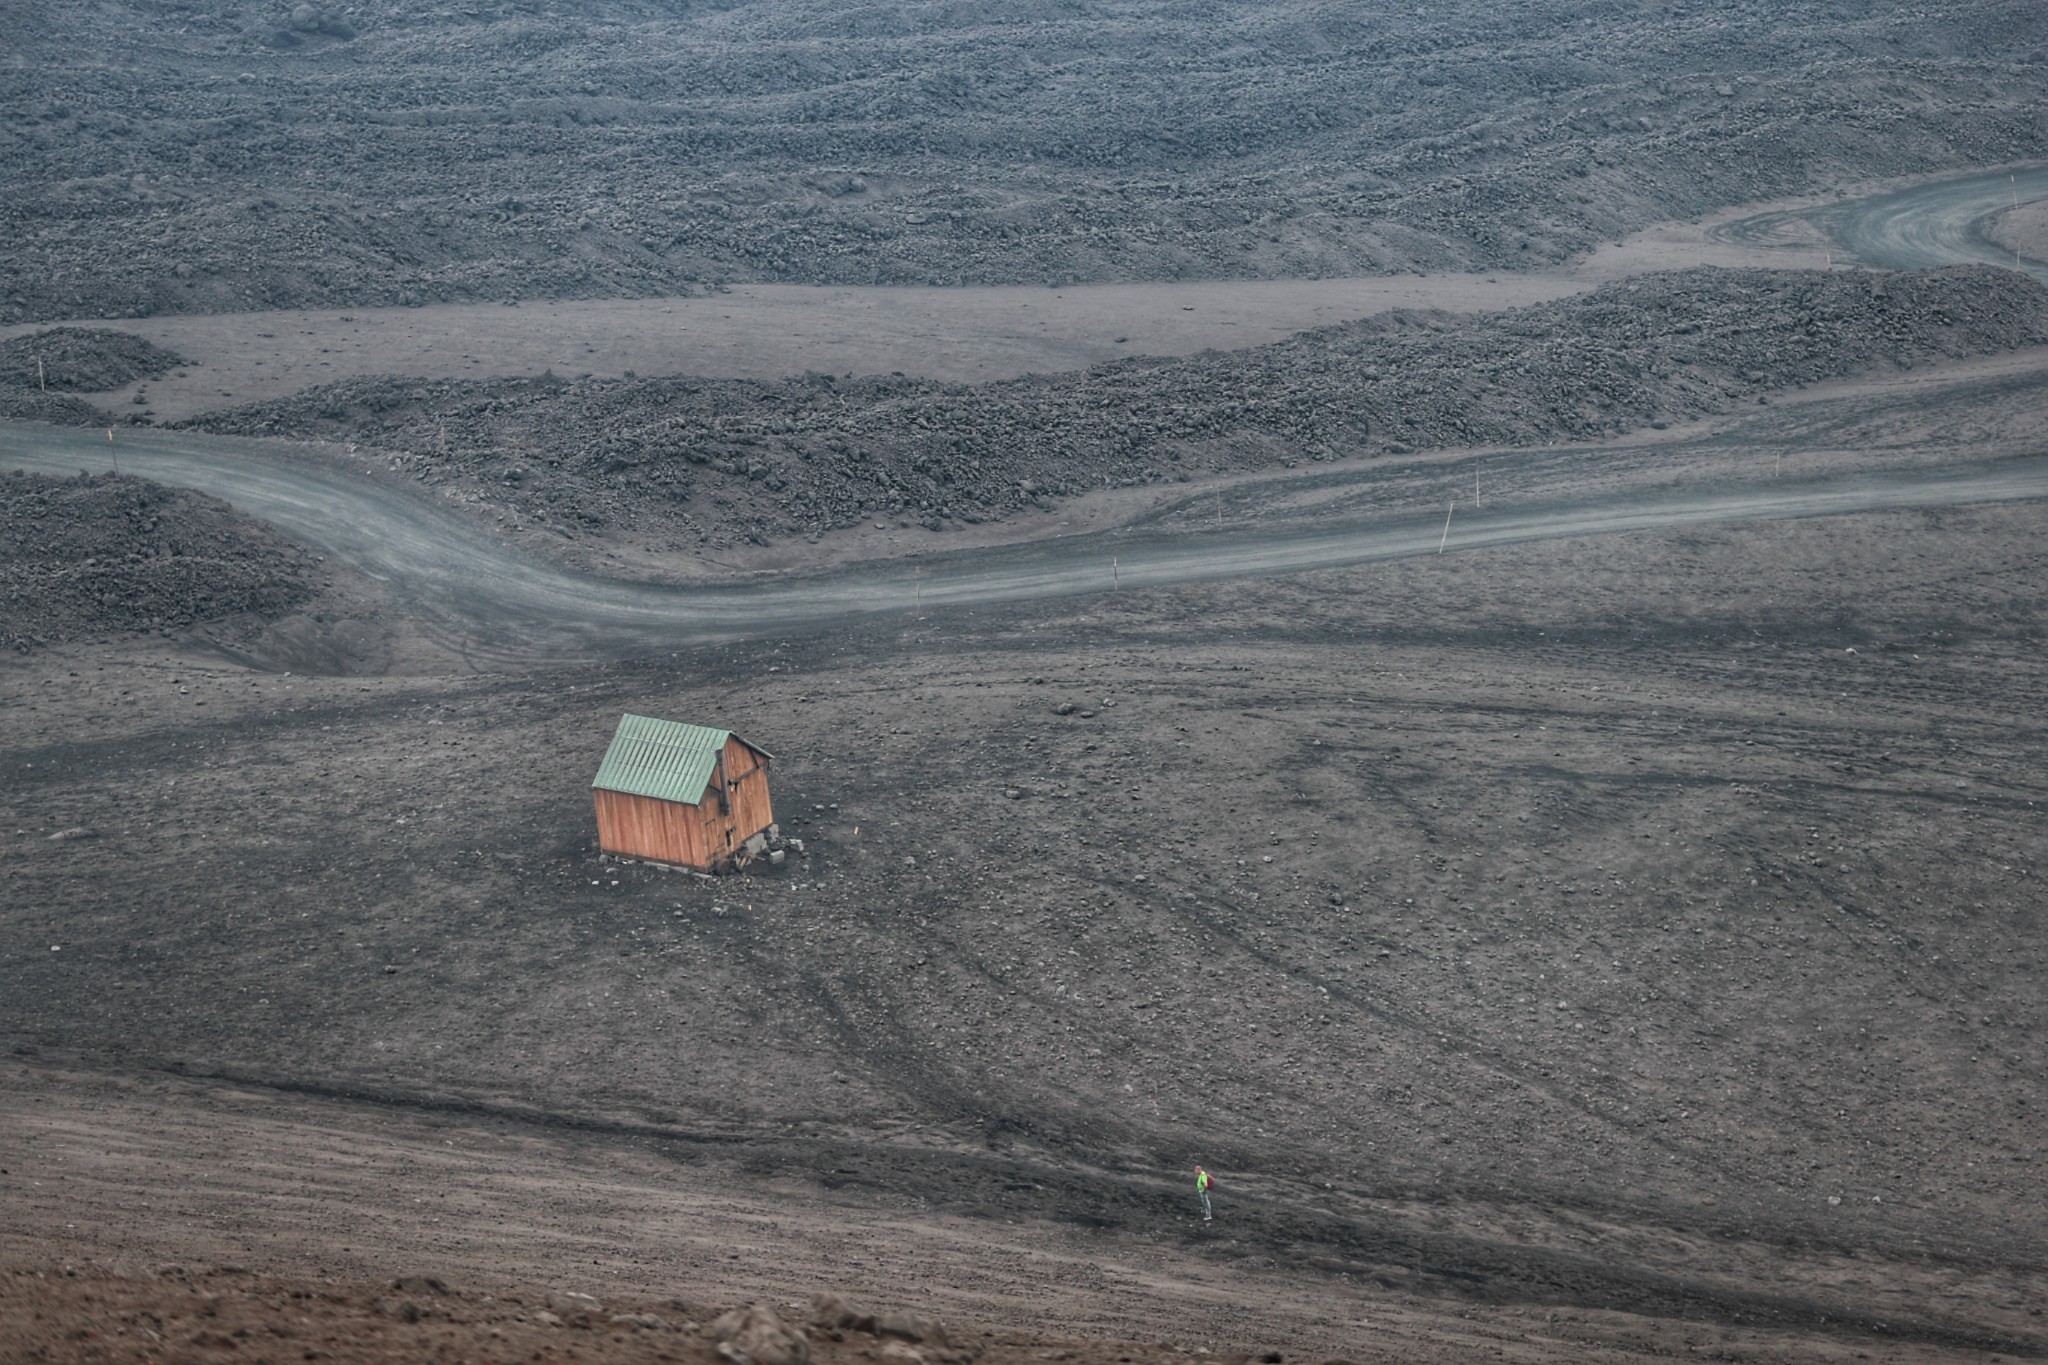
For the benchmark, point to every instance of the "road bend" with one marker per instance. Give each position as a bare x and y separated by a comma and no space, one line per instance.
510,608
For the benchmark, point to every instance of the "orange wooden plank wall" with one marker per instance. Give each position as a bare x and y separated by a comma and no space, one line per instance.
642,827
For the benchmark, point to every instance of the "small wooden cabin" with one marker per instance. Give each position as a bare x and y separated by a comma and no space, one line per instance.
685,795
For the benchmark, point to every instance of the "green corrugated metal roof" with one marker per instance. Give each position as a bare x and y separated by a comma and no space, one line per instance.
664,759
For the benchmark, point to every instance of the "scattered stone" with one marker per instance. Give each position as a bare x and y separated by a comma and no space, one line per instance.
81,360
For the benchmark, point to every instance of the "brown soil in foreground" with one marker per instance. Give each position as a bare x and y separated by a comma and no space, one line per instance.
67,1312
336,1204
1641,931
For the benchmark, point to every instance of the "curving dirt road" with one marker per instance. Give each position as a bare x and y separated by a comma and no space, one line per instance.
472,590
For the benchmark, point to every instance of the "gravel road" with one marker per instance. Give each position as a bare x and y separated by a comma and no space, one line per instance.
508,607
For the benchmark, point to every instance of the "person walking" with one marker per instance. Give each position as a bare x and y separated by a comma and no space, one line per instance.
1202,1183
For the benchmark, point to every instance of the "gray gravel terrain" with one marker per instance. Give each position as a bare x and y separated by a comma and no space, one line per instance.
165,157
1600,922
687,463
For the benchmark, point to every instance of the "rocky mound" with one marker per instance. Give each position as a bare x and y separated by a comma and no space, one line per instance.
82,359
105,552
59,409
726,461
502,147
41,373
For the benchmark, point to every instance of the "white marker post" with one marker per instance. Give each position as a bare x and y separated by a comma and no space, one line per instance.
1115,575
2013,180
1447,526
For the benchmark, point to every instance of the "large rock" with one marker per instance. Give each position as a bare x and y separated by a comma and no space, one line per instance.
756,1335
917,1327
835,1312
